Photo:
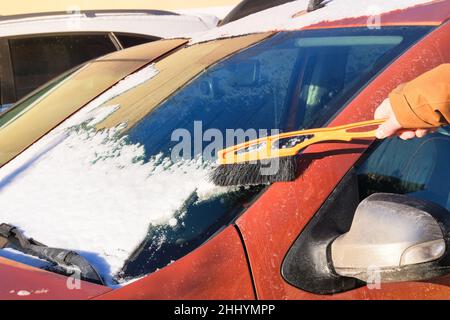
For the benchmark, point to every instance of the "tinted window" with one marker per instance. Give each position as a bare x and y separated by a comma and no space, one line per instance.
419,168
293,80
1,76
131,40
37,60
248,7
7,94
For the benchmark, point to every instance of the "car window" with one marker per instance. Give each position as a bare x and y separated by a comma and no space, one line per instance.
37,60
7,94
418,168
130,40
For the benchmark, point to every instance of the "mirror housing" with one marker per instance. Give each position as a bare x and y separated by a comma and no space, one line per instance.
396,237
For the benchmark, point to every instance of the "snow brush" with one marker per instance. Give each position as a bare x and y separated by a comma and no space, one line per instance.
274,158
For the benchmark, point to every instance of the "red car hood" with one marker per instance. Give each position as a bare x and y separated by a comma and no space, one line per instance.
20,281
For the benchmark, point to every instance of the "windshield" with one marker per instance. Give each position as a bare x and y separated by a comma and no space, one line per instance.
131,200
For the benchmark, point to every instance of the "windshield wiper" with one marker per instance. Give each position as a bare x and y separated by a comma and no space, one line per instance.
67,260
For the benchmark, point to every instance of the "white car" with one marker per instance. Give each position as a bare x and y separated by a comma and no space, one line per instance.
35,48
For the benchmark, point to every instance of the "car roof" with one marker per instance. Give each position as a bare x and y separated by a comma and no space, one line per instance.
87,13
163,24
27,6
337,13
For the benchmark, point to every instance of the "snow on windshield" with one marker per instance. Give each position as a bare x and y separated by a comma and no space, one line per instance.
90,191
287,17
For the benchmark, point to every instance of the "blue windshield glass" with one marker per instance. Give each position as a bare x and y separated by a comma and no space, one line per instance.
293,80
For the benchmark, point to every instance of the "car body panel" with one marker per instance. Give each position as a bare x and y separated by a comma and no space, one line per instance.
55,108
18,7
22,282
273,223
429,14
216,270
6,74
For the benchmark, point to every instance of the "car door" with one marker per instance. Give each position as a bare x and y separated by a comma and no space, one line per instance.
419,169
287,232
37,59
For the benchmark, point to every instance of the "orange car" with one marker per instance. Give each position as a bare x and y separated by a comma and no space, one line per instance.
103,180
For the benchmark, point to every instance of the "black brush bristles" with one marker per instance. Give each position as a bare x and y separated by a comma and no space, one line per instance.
257,172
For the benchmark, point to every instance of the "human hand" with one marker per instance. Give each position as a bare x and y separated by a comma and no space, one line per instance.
392,127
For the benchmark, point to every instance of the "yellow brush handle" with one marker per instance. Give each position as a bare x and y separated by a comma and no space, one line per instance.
237,153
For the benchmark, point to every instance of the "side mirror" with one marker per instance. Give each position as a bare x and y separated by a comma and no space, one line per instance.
399,238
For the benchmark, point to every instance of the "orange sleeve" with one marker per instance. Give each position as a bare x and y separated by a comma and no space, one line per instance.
425,101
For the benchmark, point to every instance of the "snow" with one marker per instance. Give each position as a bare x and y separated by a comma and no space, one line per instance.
282,17
89,191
